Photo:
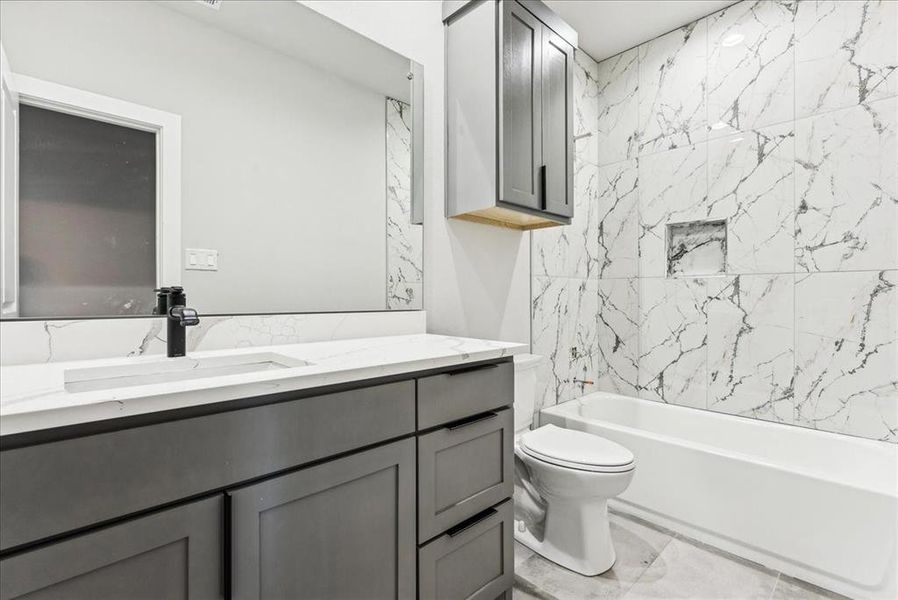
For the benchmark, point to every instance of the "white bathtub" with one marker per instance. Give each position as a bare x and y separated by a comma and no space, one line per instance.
818,506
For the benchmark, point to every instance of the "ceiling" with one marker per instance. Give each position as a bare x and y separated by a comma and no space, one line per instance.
607,27
301,32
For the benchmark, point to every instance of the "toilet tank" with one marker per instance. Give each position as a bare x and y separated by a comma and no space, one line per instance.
526,367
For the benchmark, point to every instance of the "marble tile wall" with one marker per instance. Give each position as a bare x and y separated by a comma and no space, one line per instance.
26,342
778,117
566,261
405,241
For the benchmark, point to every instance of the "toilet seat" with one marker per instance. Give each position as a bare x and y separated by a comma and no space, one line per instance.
576,450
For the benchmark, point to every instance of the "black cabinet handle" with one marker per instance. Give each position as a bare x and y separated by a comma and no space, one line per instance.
472,369
472,420
465,525
542,188
227,572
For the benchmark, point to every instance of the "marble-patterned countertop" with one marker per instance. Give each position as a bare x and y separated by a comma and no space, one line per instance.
33,397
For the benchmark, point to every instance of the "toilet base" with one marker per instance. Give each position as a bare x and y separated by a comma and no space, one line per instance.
577,535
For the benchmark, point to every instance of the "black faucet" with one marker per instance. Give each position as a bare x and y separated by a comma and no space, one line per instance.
172,302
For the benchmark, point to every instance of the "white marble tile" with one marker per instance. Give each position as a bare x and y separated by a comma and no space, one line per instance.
847,188
751,184
673,188
691,571
571,251
673,331
750,338
548,337
846,377
29,342
618,107
750,65
672,89
586,93
617,222
696,248
564,322
618,336
846,53
404,295
405,240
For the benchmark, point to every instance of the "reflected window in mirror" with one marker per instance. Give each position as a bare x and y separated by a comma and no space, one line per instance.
87,216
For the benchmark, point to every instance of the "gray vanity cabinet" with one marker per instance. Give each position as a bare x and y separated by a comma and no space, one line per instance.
341,529
394,488
510,105
173,554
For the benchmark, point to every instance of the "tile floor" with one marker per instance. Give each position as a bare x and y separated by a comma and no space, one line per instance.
655,563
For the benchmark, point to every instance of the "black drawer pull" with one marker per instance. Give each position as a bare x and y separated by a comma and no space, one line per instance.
472,420
468,523
472,369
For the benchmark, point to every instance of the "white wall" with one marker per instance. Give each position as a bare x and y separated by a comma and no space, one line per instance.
255,124
476,277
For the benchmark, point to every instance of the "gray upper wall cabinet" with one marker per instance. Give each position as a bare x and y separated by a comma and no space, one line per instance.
509,113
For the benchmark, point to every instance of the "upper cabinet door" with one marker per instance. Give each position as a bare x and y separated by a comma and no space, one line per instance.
557,124
520,134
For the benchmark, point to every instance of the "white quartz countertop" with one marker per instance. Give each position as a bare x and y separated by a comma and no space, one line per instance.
33,397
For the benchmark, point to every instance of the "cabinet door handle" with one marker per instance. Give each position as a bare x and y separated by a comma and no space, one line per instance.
542,188
472,420
465,525
472,369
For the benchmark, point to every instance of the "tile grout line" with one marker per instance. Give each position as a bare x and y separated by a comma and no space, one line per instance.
776,584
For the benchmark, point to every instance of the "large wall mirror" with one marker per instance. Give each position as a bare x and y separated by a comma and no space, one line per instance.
257,153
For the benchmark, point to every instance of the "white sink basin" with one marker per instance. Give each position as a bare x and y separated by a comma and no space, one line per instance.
175,369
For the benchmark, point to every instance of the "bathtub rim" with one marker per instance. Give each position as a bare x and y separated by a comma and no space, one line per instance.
565,409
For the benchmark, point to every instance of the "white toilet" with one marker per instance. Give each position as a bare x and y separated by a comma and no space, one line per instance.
563,480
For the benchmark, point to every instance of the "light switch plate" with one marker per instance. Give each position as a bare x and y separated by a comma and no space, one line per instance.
201,259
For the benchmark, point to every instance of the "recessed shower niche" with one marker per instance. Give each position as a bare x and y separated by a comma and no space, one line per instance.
696,248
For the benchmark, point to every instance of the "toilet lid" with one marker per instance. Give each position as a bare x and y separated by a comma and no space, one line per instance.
576,449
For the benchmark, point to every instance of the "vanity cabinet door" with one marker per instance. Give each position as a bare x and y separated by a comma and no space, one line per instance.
342,529
172,554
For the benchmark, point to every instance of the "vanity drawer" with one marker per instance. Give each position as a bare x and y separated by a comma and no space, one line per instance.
473,561
464,392
463,468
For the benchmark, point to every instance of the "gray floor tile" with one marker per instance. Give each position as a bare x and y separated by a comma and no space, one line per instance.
524,591
688,570
521,553
636,545
788,588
